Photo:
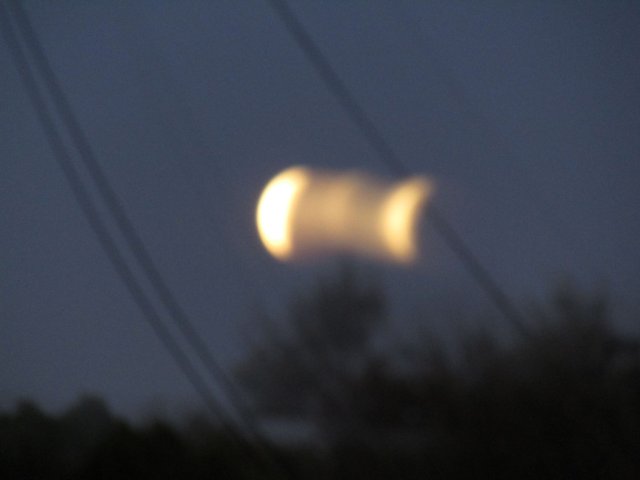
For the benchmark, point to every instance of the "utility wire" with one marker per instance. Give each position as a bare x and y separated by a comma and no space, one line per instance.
82,196
387,154
88,207
476,117
129,232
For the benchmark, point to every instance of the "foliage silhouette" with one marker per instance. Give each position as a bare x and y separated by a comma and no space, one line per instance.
563,402
88,442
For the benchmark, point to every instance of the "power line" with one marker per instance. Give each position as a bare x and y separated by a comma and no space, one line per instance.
129,232
83,198
478,119
387,154
106,240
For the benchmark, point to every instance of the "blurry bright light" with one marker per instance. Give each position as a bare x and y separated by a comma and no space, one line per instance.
303,213
274,210
399,217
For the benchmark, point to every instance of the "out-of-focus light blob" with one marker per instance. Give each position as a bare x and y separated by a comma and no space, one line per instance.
304,213
275,208
399,217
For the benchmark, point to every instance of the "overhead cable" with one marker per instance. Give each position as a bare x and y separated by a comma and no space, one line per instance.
106,240
126,226
99,227
338,88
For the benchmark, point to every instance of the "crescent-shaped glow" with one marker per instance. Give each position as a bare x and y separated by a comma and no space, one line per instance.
275,207
398,218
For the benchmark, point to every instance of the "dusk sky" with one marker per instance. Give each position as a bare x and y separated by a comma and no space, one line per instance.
526,115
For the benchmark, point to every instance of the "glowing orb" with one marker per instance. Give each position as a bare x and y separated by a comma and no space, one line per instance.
275,208
399,216
304,213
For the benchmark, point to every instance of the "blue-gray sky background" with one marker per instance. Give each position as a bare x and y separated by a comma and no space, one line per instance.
526,114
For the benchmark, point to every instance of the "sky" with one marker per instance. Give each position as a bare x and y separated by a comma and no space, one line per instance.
526,115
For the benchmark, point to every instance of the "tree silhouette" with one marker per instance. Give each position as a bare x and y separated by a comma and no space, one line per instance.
563,402
305,371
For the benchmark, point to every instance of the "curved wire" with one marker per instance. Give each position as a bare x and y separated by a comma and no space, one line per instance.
263,453
126,226
387,154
